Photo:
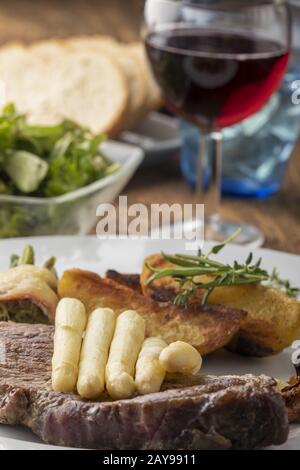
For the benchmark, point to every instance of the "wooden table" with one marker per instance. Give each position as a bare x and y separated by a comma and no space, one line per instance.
278,217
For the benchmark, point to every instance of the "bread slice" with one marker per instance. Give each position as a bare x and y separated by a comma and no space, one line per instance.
132,68
153,98
49,83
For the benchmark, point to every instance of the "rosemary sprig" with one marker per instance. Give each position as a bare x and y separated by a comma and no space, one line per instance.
188,268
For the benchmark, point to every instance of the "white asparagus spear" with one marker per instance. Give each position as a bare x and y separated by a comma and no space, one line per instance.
70,321
149,373
180,357
94,352
125,347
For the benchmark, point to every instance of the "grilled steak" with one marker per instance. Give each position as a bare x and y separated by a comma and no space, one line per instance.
202,413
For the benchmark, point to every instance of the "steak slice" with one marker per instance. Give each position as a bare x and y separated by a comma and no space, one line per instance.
204,413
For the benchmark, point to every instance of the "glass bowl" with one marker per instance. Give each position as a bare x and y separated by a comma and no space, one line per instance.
73,213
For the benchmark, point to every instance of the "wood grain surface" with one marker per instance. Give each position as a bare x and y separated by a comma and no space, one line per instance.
30,20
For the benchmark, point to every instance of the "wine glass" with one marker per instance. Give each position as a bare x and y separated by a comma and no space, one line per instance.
217,62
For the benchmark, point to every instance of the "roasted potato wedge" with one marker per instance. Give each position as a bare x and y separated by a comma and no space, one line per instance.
162,290
290,392
128,280
272,323
165,289
208,328
273,320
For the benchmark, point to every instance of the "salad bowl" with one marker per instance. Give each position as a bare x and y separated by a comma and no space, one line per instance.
72,213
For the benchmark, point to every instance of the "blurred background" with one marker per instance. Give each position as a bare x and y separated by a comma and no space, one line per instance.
261,174
31,20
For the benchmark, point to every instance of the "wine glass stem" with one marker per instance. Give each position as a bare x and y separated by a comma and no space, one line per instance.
209,172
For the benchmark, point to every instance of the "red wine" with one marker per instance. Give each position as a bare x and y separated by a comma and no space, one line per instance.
215,79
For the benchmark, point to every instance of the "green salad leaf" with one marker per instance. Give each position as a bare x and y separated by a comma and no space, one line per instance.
47,161
26,170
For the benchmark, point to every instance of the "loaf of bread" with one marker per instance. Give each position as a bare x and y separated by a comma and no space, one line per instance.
130,65
97,81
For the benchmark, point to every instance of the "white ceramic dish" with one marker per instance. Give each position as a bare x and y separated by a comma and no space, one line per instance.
127,256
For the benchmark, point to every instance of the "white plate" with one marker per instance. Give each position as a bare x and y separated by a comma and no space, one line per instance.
127,256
